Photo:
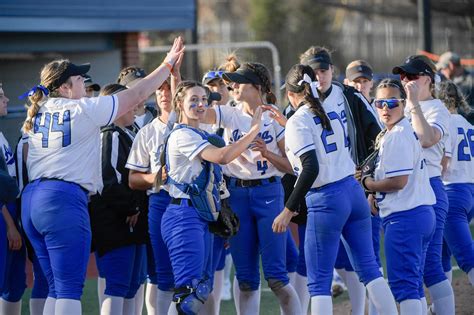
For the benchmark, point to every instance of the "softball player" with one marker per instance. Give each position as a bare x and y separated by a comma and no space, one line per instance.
256,193
185,233
63,165
430,120
144,163
458,178
318,146
405,198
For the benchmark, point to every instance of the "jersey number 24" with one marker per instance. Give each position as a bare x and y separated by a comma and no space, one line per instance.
53,125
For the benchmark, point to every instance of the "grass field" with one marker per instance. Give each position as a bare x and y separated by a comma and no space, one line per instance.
268,305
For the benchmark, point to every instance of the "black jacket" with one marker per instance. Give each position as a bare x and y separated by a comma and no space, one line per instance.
110,209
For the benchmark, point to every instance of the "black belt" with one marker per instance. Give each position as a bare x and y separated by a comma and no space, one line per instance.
177,201
253,182
44,179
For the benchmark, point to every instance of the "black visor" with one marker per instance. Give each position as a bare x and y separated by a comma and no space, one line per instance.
70,71
319,61
242,76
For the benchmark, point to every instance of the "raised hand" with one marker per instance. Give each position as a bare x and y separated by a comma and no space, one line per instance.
175,52
275,114
256,119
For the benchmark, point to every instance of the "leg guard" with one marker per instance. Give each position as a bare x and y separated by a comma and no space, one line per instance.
190,299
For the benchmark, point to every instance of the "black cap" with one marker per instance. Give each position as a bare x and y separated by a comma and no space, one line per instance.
214,96
70,71
133,75
320,60
211,76
414,66
89,84
243,75
359,70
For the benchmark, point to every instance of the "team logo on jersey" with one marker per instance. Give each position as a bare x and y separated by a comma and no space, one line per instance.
8,155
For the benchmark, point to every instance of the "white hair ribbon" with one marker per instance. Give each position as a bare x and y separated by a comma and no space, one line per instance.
313,84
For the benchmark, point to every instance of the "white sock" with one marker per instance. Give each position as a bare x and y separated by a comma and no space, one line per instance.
321,305
382,297
49,306
217,291
227,269
356,290
112,305
424,306
470,275
68,307
301,288
342,273
292,276
37,306
139,299
410,307
151,293
442,296
236,292
449,275
289,302
249,302
10,308
129,306
100,290
173,310
163,301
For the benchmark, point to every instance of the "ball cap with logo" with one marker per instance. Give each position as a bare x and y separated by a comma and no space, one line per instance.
358,69
414,66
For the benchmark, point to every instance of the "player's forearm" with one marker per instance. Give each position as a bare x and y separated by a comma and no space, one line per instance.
388,184
427,134
280,162
140,181
8,219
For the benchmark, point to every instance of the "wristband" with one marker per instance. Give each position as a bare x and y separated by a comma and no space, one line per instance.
168,65
413,109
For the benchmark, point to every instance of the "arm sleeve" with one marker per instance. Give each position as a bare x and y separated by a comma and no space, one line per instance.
394,148
101,110
190,143
308,175
139,157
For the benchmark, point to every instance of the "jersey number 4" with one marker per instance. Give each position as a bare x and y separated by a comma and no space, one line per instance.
52,125
331,147
467,141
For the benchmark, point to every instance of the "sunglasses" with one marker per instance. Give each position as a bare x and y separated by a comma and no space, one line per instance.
390,103
213,75
410,77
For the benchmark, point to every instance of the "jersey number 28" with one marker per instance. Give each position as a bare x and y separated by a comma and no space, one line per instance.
467,141
53,126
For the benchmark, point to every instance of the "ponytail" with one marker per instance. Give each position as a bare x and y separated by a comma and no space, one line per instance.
316,107
34,99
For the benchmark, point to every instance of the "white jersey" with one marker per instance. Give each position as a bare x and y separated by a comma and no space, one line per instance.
65,140
250,164
401,154
184,164
147,147
461,150
437,116
8,155
304,132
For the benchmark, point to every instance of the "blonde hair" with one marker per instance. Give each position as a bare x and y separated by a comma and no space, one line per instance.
231,63
452,98
49,74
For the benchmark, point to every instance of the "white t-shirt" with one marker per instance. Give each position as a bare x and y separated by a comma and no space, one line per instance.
65,140
8,155
250,164
437,116
401,154
304,132
147,147
460,148
184,164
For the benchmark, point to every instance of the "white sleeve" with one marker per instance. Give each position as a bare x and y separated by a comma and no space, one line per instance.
101,110
438,118
139,157
190,143
224,115
394,148
298,136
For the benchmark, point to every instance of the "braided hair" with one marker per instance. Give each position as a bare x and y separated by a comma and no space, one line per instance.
264,75
296,75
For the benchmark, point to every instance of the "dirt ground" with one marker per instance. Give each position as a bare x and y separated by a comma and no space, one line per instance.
464,294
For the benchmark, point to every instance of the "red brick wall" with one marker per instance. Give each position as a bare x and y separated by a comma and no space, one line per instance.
128,44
